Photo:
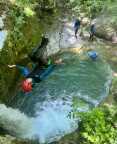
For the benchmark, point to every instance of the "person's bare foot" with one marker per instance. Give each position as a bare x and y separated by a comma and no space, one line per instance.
11,66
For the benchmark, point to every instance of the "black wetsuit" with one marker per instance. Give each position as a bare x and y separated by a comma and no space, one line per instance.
77,26
35,73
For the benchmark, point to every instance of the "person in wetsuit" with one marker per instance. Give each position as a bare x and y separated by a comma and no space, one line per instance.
38,65
92,30
32,77
77,26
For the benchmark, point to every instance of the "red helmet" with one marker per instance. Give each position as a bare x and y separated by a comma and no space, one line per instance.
27,85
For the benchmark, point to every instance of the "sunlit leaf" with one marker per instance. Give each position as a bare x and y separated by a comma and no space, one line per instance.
28,11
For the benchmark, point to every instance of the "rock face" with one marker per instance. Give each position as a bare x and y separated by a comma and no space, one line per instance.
106,24
61,37
6,139
68,39
106,32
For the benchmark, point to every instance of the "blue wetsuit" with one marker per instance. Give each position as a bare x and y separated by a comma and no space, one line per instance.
24,70
30,74
37,74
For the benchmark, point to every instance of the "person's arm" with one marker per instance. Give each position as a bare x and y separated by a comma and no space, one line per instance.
17,66
11,66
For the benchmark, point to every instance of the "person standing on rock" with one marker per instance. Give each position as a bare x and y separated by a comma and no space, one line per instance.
77,26
92,30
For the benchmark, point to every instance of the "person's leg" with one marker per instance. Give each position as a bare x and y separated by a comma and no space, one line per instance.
91,36
76,31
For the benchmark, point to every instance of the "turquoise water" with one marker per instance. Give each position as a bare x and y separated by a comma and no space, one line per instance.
51,100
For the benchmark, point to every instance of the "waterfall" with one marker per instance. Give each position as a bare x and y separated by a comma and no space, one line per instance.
14,121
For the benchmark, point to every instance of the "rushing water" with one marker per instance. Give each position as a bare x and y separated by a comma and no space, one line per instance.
48,106
3,35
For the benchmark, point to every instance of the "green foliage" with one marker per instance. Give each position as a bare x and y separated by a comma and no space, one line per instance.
90,7
26,6
18,12
99,126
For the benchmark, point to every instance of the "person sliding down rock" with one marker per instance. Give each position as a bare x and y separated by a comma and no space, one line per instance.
33,76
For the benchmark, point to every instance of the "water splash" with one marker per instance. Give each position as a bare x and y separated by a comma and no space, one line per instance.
53,122
49,124
14,121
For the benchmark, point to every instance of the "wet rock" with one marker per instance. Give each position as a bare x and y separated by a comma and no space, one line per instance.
54,41
114,39
106,24
72,138
68,39
6,139
85,21
105,32
38,52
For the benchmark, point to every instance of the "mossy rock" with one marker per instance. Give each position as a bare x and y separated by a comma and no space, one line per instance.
7,139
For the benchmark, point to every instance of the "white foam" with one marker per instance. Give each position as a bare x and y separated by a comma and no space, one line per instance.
53,121
14,121
3,35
